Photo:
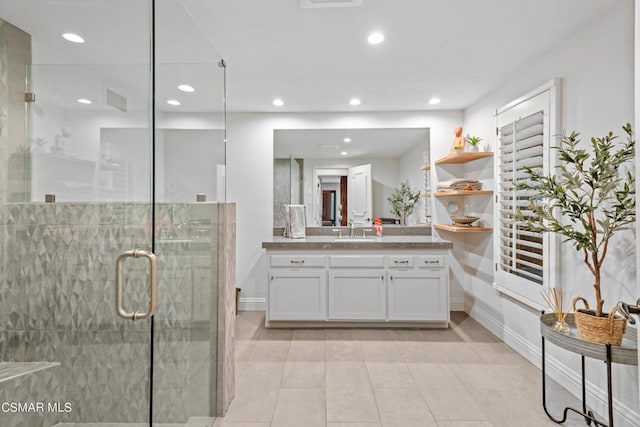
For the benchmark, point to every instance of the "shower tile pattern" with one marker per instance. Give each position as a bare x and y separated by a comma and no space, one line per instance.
57,280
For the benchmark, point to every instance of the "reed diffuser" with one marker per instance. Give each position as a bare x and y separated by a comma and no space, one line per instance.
556,302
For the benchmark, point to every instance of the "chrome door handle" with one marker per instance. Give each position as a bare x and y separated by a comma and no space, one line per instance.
153,297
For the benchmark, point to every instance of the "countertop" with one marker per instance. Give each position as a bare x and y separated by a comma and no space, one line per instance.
372,243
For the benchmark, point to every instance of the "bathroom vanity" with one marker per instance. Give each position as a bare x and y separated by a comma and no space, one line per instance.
324,280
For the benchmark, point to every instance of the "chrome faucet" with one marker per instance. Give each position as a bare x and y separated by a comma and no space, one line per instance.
352,232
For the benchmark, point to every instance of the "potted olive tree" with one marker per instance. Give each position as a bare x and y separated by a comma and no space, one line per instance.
403,201
589,200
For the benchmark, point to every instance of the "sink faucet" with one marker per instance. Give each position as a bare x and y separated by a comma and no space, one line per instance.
352,232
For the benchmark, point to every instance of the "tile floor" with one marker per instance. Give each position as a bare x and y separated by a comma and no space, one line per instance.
459,377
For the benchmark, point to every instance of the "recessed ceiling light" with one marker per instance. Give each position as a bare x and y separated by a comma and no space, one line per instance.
186,88
173,102
278,102
434,101
84,101
344,153
73,38
354,101
347,140
375,38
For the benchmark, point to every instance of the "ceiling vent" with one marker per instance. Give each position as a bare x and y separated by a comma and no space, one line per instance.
329,3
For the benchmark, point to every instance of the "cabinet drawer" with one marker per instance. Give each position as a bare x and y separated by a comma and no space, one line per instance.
431,261
356,261
400,261
297,260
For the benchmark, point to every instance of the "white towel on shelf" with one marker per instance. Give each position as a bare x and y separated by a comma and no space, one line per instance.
459,184
295,221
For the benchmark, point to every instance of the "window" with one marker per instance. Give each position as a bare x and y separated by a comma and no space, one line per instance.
525,262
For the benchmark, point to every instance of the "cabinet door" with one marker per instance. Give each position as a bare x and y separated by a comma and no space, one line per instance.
297,294
418,295
357,294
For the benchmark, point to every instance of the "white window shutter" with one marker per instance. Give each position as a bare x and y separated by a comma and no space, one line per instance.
526,262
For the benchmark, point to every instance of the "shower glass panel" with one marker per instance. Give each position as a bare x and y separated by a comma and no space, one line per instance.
190,190
91,167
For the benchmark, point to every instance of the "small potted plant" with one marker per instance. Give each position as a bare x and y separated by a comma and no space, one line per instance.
591,199
403,201
473,142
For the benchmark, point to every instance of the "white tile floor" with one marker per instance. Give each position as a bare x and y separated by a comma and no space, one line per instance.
459,377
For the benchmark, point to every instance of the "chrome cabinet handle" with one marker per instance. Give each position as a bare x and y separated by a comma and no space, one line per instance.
431,262
293,261
153,297
405,261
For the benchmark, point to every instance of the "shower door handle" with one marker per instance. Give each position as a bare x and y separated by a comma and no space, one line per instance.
153,291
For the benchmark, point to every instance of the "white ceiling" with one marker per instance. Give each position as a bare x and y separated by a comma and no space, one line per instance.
315,59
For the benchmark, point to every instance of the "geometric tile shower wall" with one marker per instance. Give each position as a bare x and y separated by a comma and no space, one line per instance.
57,279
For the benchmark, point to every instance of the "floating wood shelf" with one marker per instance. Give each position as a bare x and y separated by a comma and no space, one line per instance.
462,228
463,193
463,157
426,167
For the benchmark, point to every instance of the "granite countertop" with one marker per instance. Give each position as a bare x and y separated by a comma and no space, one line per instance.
371,243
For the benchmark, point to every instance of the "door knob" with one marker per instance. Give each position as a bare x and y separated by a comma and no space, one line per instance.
627,310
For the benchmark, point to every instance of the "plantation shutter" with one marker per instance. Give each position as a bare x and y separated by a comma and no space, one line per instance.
521,252
525,262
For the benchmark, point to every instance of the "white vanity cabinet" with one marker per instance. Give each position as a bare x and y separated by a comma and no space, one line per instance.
417,290
357,287
297,287
377,287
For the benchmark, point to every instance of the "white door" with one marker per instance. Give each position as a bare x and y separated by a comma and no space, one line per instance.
359,195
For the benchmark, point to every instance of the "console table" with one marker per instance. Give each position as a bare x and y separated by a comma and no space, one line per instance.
626,354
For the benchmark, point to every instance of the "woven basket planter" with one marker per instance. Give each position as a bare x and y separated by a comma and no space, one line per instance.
606,329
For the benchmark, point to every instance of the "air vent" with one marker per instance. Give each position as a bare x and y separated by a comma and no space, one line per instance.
329,3
116,101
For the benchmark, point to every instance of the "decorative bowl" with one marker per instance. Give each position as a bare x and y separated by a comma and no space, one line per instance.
464,220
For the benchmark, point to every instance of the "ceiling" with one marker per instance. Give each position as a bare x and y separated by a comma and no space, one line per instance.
315,59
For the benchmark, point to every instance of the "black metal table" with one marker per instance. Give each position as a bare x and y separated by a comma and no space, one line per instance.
626,354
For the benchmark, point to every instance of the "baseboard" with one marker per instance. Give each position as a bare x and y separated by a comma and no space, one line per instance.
563,374
252,304
260,304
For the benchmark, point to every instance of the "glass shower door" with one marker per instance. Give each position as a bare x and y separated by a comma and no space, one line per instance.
76,192
94,164
190,195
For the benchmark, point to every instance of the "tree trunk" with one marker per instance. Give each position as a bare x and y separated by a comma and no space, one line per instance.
599,300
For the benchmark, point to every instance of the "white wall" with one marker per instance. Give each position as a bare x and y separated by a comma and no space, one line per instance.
250,175
596,67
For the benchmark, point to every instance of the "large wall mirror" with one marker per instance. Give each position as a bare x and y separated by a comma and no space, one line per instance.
347,174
